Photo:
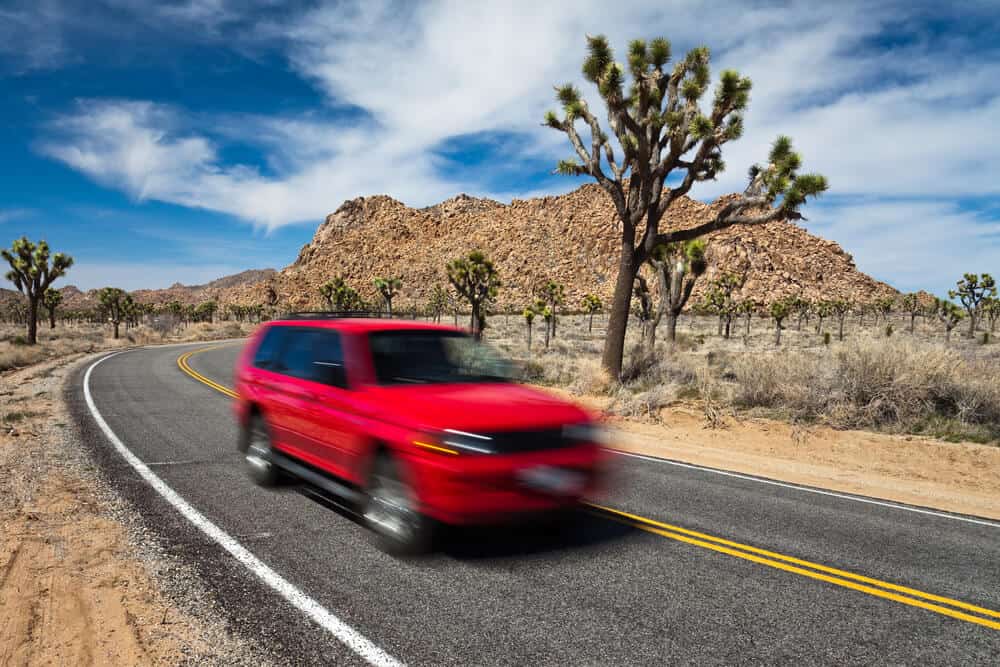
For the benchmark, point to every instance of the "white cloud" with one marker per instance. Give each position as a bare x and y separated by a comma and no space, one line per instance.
10,214
914,120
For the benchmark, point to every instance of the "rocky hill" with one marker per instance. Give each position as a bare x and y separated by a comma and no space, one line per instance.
569,238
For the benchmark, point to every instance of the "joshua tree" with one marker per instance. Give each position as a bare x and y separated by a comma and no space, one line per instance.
972,289
910,304
747,307
591,305
546,312
475,279
664,136
388,288
991,309
719,300
552,294
678,266
51,299
116,302
438,302
950,315
824,309
529,317
840,309
647,320
779,311
32,274
802,308
884,307
340,297
206,311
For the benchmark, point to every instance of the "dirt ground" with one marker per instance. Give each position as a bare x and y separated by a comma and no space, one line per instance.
74,589
956,477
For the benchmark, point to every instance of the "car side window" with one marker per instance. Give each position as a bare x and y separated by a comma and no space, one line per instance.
266,356
328,359
297,354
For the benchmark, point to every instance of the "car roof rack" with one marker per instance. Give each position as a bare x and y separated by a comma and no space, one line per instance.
337,314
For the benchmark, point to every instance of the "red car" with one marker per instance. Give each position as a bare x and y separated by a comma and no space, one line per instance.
416,423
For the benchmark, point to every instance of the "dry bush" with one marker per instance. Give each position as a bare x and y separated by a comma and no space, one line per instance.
895,384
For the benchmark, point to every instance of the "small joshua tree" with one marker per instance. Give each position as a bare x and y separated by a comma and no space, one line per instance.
529,317
840,309
32,274
779,311
719,300
972,289
205,312
591,305
644,301
746,308
664,136
802,308
883,308
388,288
910,304
340,297
552,294
116,303
51,300
823,309
950,315
677,266
991,310
438,303
475,279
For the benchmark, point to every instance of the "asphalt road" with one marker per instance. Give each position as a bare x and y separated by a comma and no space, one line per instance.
602,592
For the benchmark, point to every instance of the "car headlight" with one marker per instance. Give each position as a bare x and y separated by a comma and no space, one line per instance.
451,441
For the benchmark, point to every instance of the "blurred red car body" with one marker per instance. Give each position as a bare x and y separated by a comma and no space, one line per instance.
413,421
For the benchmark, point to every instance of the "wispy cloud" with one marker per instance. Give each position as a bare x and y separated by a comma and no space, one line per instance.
11,214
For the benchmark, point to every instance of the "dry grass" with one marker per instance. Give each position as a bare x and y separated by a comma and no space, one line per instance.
909,383
80,339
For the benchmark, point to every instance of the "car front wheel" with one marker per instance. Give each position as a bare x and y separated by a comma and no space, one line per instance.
258,453
390,511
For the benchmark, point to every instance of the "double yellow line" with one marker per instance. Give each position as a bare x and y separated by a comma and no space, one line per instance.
883,589
182,362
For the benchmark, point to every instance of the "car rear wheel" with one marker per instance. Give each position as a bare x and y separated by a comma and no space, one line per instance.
258,453
390,512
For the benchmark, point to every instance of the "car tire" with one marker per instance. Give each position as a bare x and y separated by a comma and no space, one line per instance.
390,511
255,443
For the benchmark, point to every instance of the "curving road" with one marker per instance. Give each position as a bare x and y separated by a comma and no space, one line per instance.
711,569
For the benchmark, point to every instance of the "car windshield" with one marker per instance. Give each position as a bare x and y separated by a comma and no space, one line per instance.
428,356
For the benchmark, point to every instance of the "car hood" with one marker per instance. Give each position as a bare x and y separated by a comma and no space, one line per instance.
485,407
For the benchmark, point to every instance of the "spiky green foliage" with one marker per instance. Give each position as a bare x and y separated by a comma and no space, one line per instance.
971,290
991,311
779,311
659,133
475,279
388,288
341,297
33,269
719,299
51,300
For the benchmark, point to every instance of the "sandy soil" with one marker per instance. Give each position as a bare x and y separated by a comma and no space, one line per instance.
956,477
73,590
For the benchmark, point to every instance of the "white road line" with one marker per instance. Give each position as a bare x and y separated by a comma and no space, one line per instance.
347,635
869,501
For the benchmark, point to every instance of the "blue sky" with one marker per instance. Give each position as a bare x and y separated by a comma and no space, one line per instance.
159,142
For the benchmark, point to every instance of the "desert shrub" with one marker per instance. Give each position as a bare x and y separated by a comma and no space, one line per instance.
645,405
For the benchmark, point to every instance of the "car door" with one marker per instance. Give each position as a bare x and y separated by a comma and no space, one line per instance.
266,381
333,423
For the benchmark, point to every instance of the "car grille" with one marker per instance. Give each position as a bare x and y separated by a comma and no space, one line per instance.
512,442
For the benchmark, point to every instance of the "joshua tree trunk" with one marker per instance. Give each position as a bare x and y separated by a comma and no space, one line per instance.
840,330
116,329
777,332
614,340
913,321
671,327
973,321
747,332
553,324
590,325
529,336
52,318
548,329
720,325
32,321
